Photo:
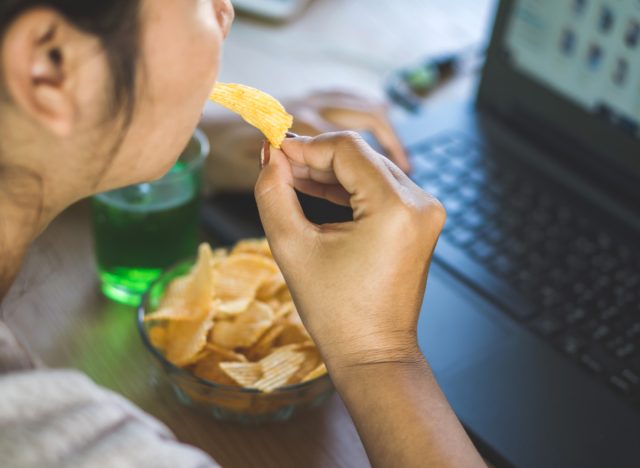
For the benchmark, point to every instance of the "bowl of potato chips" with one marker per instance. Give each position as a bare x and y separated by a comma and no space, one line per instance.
226,333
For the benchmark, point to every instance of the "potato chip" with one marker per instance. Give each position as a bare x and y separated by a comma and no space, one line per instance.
174,295
271,286
284,310
158,336
204,352
225,354
274,304
257,108
311,361
317,372
233,307
244,329
208,368
284,296
255,246
264,345
199,292
241,275
292,333
170,313
278,367
244,373
185,339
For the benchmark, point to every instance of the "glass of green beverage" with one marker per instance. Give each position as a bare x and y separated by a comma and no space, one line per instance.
142,229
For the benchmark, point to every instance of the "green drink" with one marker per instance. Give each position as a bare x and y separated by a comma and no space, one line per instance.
143,229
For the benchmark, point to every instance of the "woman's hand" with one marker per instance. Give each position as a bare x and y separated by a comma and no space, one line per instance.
358,285
232,165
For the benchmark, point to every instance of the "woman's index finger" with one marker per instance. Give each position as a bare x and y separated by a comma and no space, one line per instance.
357,167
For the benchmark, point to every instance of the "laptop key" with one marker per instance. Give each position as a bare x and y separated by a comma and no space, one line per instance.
631,376
482,251
625,350
574,316
591,363
499,291
605,361
546,325
620,384
461,237
570,343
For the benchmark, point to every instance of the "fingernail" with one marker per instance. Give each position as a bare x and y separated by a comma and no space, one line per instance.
292,135
265,154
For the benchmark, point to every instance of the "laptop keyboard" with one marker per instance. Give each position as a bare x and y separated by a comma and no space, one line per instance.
539,257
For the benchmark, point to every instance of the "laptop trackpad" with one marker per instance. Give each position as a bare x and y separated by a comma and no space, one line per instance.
452,330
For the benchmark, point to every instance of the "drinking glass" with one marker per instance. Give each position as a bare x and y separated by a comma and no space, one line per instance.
142,229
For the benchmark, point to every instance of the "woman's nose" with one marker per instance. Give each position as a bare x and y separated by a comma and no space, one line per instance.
225,14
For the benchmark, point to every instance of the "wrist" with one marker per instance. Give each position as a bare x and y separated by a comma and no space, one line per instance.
361,362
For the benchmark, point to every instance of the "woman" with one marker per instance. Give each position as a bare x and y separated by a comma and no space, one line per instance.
97,95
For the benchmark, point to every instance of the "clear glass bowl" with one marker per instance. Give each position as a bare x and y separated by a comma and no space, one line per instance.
223,402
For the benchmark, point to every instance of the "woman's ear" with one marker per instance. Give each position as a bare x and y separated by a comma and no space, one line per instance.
41,63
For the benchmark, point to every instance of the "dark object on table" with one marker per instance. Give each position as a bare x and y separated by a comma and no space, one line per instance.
277,10
229,217
410,86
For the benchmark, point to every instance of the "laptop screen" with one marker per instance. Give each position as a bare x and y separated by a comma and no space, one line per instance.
586,50
566,73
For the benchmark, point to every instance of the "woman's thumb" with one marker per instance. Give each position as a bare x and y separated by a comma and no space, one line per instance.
278,204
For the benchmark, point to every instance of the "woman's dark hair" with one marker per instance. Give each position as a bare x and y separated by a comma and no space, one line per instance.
114,22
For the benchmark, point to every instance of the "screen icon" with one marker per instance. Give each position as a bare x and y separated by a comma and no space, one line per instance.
607,18
632,35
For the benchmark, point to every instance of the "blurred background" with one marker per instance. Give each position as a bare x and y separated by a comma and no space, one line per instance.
348,44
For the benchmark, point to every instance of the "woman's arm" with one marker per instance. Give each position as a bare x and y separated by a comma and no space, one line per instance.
359,286
402,416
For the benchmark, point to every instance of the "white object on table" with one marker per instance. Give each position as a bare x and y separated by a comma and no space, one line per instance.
274,9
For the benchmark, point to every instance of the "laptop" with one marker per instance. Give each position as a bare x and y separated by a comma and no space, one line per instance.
531,320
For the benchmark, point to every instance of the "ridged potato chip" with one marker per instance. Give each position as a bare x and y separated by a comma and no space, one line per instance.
278,367
244,373
257,108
